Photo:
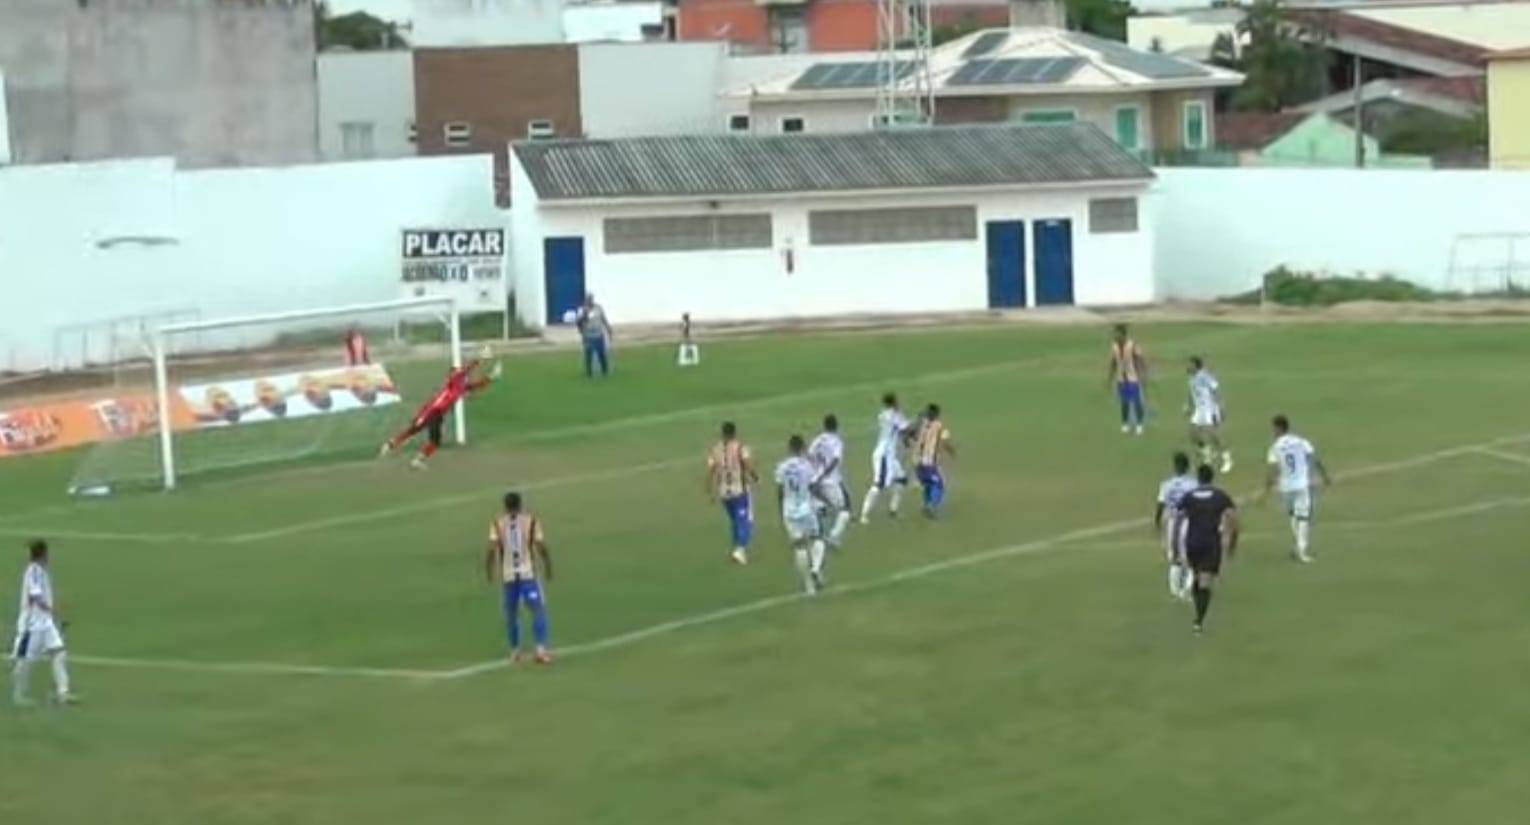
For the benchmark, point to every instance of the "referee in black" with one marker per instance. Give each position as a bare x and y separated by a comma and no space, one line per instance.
1211,523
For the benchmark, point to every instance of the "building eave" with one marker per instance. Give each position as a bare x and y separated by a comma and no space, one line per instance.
831,194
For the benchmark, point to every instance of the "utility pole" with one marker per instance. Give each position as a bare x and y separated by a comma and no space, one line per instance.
1359,114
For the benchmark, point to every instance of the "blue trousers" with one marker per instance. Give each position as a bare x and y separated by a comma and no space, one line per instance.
740,519
1130,394
595,350
934,485
530,591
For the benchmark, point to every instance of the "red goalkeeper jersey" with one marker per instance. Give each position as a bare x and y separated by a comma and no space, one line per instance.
457,385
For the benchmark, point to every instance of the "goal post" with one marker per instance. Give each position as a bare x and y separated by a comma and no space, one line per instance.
232,392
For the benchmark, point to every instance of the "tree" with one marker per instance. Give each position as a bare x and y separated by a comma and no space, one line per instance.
357,31
1105,18
1281,62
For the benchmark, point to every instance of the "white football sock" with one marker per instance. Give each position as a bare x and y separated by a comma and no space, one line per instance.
869,503
841,524
60,674
1303,537
1175,576
801,557
815,556
20,678
895,499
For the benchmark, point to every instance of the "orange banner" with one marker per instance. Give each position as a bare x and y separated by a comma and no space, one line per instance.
63,424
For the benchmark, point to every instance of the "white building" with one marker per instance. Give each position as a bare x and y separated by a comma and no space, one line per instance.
735,227
366,105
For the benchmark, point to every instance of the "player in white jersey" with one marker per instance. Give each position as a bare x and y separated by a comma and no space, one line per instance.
1205,409
1292,461
893,429
798,497
828,454
37,630
1168,519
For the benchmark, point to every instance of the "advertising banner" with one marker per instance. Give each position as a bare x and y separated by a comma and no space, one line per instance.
289,395
466,264
58,425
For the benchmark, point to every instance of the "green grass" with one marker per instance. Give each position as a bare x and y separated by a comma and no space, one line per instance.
1056,683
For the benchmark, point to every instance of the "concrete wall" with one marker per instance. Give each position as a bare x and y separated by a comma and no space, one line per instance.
371,88
1097,109
1401,222
611,22
1168,118
447,23
223,242
212,84
821,116
1509,113
825,280
677,88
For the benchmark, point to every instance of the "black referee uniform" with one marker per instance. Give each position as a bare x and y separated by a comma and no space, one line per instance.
1205,510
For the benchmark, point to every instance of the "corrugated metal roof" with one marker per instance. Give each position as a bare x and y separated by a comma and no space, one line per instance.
725,165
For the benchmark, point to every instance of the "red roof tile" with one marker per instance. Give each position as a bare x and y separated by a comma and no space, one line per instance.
1254,130
1342,24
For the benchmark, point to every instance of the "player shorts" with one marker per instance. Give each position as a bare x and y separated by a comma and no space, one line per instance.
801,528
1206,417
519,590
886,469
1298,503
37,641
1173,539
1204,558
1130,392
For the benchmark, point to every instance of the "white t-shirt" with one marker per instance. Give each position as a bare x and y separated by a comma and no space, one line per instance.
795,475
1293,455
890,426
1172,490
828,452
35,583
1204,391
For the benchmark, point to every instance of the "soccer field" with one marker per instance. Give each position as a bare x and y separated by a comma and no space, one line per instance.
316,644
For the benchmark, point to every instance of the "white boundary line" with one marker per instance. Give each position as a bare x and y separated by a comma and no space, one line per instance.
1500,454
96,535
1070,538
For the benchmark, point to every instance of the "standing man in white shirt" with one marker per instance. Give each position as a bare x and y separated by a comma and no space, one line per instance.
595,333
1292,460
37,630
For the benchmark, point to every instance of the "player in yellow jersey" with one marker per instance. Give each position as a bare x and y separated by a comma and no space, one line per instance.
730,475
518,555
930,444
1128,368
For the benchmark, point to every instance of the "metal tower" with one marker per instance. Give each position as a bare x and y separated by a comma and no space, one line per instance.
905,94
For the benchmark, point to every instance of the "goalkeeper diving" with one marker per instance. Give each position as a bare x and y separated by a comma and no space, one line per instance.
432,415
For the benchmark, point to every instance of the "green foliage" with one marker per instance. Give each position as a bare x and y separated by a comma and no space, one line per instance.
1105,18
357,31
1287,287
1282,64
1422,132
968,24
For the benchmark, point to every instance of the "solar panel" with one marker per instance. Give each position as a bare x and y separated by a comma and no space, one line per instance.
1015,71
846,75
985,43
1148,64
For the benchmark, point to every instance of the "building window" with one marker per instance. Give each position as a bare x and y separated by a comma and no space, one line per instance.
1112,215
1195,125
540,130
411,132
687,233
1129,127
739,124
356,140
1049,116
457,133
788,31
793,125
838,227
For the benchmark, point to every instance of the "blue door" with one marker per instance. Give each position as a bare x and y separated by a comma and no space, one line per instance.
563,264
1006,264
1054,262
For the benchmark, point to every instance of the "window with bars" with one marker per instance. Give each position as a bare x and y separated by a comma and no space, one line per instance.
687,233
356,140
1112,215
838,227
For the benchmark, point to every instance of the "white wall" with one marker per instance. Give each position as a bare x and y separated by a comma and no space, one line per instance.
676,83
228,242
826,280
1220,230
375,88
821,116
441,23
611,21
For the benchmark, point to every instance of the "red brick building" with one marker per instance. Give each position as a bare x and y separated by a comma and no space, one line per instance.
786,26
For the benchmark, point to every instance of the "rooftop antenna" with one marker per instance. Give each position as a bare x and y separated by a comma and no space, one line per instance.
905,93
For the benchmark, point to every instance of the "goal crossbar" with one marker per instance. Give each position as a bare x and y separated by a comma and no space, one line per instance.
161,357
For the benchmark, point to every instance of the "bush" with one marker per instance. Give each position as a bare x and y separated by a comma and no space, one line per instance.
1285,287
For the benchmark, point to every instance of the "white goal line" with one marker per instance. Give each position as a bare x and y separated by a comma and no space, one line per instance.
1076,538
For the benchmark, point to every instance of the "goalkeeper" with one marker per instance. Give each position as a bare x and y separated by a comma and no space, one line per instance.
459,382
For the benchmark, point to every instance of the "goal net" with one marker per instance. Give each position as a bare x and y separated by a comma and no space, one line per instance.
217,395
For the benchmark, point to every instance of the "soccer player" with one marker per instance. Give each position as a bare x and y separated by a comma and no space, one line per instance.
1127,368
1292,460
730,474
828,454
459,383
690,354
797,496
595,332
518,553
886,466
1211,524
37,631
932,441
1168,518
1205,408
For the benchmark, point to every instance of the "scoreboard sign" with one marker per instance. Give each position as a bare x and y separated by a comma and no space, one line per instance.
468,264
